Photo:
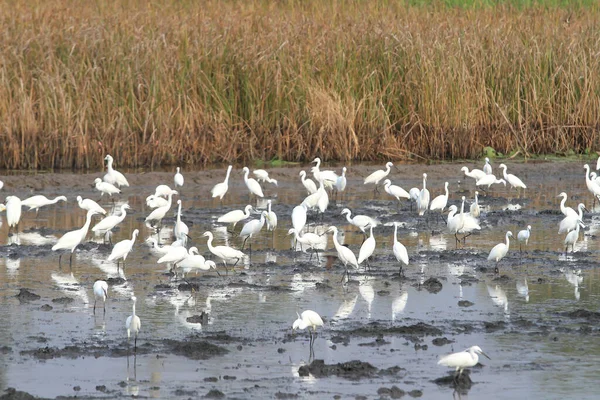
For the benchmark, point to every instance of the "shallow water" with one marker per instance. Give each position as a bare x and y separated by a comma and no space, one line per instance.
518,320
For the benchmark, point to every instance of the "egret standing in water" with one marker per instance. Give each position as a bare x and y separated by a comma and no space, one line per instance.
89,204
440,202
523,236
378,175
133,325
122,249
345,255
362,222
271,220
225,253
308,183
512,180
475,173
572,238
251,228
367,248
499,251
113,176
181,230
100,293
178,179
395,191
399,250
252,185
13,212
38,201
340,184
235,216
105,187
263,176
487,168
475,210
220,189
109,223
308,319
423,199
461,360
70,240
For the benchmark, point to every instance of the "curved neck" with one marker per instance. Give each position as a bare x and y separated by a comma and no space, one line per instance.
446,187
508,239
395,233
246,173
348,217
109,165
227,176
209,243
562,204
88,220
580,213
246,213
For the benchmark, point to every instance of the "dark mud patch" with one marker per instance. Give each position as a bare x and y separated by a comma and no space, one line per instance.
198,319
432,285
14,394
465,303
215,394
352,370
393,393
63,300
582,314
25,296
441,341
377,329
195,349
462,382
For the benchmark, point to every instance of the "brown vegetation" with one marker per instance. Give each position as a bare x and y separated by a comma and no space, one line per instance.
165,81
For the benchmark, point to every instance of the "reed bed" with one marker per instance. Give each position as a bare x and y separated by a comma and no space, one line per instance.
164,82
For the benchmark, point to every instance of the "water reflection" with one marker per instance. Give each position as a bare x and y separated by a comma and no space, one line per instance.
368,294
523,288
498,296
69,285
575,278
399,304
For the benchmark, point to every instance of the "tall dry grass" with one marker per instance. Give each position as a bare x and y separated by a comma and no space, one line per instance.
165,81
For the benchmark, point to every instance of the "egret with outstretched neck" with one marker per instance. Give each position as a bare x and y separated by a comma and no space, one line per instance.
72,239
133,325
220,189
462,360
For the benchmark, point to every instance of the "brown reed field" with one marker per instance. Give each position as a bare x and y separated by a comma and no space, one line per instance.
173,82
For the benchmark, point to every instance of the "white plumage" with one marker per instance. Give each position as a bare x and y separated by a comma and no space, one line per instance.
72,239
395,191
133,324
378,175
100,289
263,176
399,250
423,199
572,238
345,255
474,209
220,189
512,180
523,236
235,216
571,222
271,218
88,204
499,251
174,255
368,247
251,183
299,217
439,203
489,180
156,216
181,230
308,183
362,222
225,253
13,211
113,176
568,211
463,359
178,179
106,187
123,248
475,173
38,201
487,168
108,223
308,319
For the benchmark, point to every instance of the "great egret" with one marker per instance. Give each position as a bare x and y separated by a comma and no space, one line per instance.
367,248
463,359
174,255
299,217
162,191
13,212
399,250
156,216
340,183
235,216
88,204
38,201
251,183
568,211
489,180
72,239
523,236
423,199
311,240
178,179
569,223
225,253
107,224
328,177
395,190
263,176
475,210
251,228
122,249
345,255
133,325
308,319
378,175
113,176
487,168
195,261
105,187
592,186
220,189
181,230
572,238
440,202
512,180
499,251
272,218
100,293
308,183
475,173
362,222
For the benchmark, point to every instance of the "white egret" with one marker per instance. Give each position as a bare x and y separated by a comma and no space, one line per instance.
122,249
88,204
312,200
107,224
597,166
572,238
323,200
499,251
399,250
174,255
414,196
164,249
475,173
253,227
308,319
113,176
225,253
523,236
72,239
195,261
475,210
133,325
156,216
340,183
512,180
463,359
308,183
235,216
220,189
440,202
1,185
178,179
423,199
395,191
263,176
299,217
153,201
569,223
591,185
38,201
311,240
251,183
105,187
13,212
362,222
328,177
100,293
489,180
344,253
162,191
378,175
367,248
568,211
487,168
272,218
181,230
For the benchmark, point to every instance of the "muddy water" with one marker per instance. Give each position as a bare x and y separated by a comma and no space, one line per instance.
525,318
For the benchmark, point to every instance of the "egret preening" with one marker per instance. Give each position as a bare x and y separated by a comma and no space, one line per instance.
440,202
345,255
156,216
308,183
251,228
308,319
38,201
133,325
512,180
88,204
72,239
107,224
423,199
160,249
13,212
113,176
523,236
225,253
367,248
235,216
399,250
572,238
100,293
362,222
462,360
178,179
571,222
311,240
181,230
378,175
475,210
251,183
487,168
105,187
153,201
122,249
475,173
499,251
220,189
263,176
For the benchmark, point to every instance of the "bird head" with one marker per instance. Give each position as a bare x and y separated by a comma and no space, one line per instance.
346,211
477,349
291,231
389,164
316,160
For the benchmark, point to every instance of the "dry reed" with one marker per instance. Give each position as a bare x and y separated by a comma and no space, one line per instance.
165,81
